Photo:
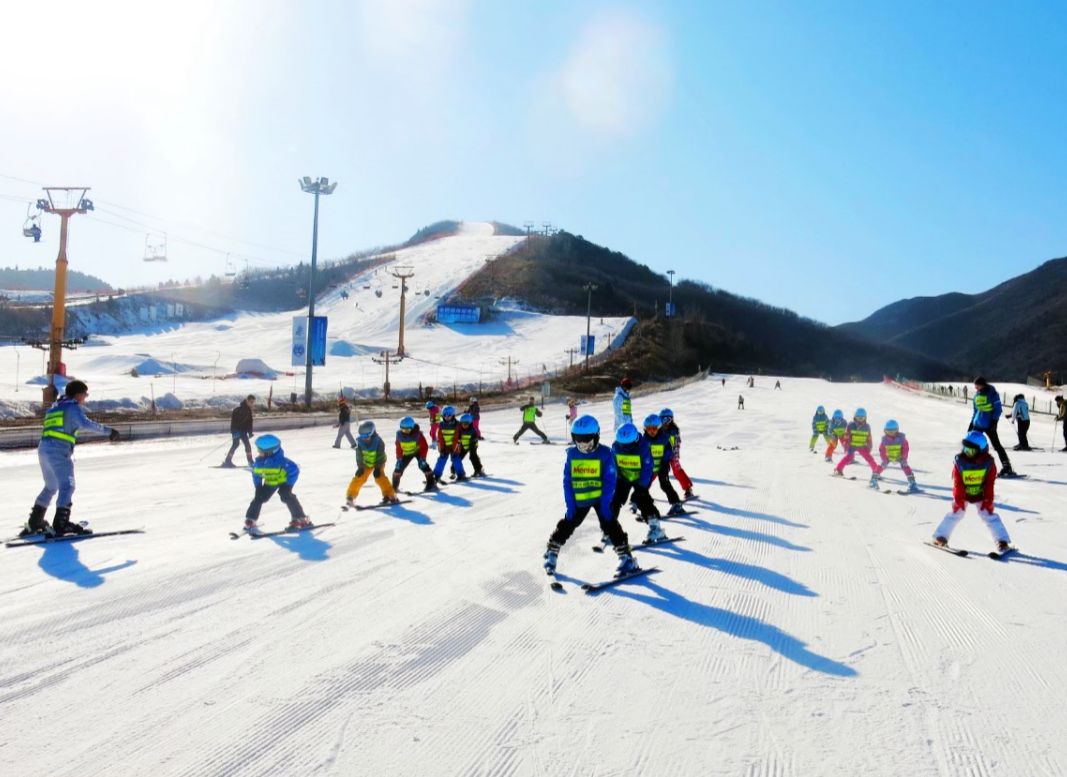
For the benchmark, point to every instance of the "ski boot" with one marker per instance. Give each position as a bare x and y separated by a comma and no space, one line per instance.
829,459
431,484
390,500
37,524
675,509
941,542
689,494
913,487
478,474
296,524
1003,546
62,524
627,562
227,464
251,527
551,557
396,481
655,532
874,481
837,474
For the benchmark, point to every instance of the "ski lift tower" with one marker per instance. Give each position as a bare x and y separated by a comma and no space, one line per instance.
63,201
402,273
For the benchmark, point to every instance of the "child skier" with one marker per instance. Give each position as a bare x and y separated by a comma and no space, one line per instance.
448,445
633,461
837,430
973,476
589,478
370,459
55,453
530,414
820,425
467,436
474,410
411,446
572,413
674,434
435,417
621,403
894,449
857,440
273,472
662,452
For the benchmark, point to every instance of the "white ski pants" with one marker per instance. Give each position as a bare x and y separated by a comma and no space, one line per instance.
992,522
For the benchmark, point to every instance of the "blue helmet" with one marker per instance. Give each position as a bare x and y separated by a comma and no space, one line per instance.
466,418
627,434
892,426
268,444
653,422
860,413
585,432
407,424
448,412
366,430
820,410
429,404
839,414
666,414
975,443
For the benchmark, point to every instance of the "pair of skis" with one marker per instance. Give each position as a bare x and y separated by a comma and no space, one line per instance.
44,539
590,588
347,507
996,555
258,535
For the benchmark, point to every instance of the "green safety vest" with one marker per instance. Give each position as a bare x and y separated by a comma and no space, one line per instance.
629,465
53,423
657,454
408,448
859,438
974,481
626,406
465,439
586,480
448,435
892,452
839,431
529,414
820,426
272,476
370,457
982,403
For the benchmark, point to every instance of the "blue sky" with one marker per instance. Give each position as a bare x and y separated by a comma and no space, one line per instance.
826,157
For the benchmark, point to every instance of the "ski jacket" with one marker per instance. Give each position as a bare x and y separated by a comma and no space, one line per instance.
819,423
466,438
63,421
623,407
987,409
662,450
893,448
838,427
241,419
475,410
1020,411
634,462
274,470
414,444
344,414
674,434
447,436
858,436
435,414
1061,411
530,413
370,454
972,481
589,479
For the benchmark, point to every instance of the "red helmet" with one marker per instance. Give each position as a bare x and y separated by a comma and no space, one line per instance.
625,383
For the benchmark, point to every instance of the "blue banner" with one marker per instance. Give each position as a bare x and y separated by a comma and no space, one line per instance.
318,341
588,345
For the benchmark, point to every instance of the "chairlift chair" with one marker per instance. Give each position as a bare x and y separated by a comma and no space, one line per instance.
32,226
155,250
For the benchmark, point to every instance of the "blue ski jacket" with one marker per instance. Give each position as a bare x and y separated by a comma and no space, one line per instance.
274,470
589,479
634,462
987,408
63,421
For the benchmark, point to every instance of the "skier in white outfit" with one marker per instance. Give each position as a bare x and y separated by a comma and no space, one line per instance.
621,403
973,476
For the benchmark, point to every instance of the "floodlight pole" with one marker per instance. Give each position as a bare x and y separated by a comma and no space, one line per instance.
589,288
320,187
403,276
670,294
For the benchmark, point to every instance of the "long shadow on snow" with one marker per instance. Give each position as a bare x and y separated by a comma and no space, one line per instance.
304,544
737,625
406,514
729,531
60,560
998,505
711,482
1035,561
448,499
484,486
748,514
767,577
505,481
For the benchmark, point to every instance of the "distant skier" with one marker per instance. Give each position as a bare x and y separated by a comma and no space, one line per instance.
572,413
589,479
435,418
662,452
467,436
411,446
1020,416
674,434
474,410
621,403
740,402
1061,412
778,385
973,476
344,423
633,461
530,414
987,410
857,440
837,430
820,425
370,460
894,450
241,429
273,472
55,453
448,448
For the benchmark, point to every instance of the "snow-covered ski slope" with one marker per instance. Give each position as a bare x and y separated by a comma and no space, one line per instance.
802,628
360,327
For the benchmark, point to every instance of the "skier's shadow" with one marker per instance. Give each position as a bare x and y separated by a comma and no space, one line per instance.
749,514
505,481
743,534
1035,561
708,481
1050,482
450,499
767,577
304,544
485,487
404,514
735,624
60,560
997,505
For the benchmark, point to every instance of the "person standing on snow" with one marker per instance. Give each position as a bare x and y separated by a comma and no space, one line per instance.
572,413
894,449
973,476
1061,417
659,444
837,430
435,418
474,410
622,404
55,453
740,402
529,422
633,462
589,479
241,430
411,446
344,423
857,440
1020,416
467,438
448,446
987,410
674,434
370,459
273,472
820,425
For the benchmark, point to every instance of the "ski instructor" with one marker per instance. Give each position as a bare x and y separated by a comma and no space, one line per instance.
987,410
241,429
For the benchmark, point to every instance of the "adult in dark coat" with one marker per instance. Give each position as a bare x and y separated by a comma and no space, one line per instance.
241,430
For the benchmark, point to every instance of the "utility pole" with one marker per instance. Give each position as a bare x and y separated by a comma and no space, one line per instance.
670,295
319,188
570,352
403,273
509,361
76,202
589,289
384,360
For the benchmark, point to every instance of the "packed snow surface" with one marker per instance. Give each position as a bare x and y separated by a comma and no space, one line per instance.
802,628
